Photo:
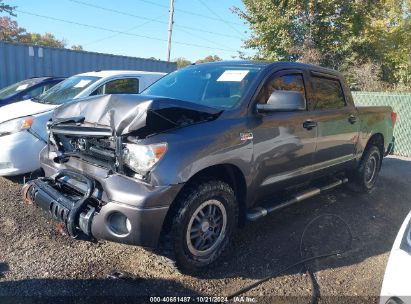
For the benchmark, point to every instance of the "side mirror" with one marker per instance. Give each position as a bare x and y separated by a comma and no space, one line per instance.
26,97
283,101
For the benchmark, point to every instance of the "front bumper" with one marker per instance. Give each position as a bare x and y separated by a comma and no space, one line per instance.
19,153
85,207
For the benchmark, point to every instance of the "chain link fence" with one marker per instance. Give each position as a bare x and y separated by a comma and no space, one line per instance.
401,103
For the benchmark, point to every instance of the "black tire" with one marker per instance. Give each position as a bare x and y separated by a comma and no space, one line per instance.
214,195
365,176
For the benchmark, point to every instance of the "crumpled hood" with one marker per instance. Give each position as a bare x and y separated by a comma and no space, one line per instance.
129,113
23,108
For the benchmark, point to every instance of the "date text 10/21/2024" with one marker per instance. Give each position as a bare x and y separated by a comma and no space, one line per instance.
202,299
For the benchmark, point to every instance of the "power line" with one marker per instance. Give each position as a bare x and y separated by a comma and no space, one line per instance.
146,18
128,31
119,32
218,16
189,12
205,39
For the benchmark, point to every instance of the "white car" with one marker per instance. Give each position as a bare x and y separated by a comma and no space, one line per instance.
23,131
396,287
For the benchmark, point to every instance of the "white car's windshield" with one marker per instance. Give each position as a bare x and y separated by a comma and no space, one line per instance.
219,86
66,90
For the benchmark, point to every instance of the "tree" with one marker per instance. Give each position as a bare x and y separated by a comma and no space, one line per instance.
11,32
77,47
7,8
333,33
182,62
209,58
287,29
46,39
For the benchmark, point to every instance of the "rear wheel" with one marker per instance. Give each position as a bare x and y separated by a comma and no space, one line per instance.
204,225
366,174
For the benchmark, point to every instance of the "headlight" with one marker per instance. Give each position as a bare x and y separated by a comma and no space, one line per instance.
141,158
15,125
406,240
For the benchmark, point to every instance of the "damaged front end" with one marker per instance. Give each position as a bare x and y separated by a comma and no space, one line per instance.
105,132
102,130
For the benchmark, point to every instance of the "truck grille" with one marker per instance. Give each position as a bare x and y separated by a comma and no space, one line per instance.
101,149
90,144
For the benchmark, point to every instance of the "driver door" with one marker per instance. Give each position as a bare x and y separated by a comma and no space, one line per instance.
284,144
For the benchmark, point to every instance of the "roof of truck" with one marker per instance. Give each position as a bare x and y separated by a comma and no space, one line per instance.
280,64
108,73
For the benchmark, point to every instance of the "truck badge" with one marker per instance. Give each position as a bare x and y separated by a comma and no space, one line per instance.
246,136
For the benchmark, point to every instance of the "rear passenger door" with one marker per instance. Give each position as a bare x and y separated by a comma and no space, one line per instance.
336,121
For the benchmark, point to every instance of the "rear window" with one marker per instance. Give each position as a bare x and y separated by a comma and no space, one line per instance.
327,94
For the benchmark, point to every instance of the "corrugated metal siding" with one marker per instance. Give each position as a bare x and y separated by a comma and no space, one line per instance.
401,104
20,61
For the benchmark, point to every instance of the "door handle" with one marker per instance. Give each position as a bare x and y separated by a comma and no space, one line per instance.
309,124
352,119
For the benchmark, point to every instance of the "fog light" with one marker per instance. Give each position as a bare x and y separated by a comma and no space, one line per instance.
119,224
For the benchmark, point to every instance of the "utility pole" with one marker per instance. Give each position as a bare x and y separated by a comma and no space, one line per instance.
170,28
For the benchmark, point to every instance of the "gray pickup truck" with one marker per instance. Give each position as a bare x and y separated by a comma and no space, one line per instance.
197,153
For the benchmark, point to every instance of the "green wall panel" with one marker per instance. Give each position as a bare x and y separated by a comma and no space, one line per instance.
401,103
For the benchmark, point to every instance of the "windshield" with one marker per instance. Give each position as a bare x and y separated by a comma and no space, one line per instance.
17,87
218,86
66,90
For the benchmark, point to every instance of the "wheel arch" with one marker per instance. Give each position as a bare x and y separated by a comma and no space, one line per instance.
229,173
377,139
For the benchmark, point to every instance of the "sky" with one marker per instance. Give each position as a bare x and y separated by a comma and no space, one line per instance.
138,28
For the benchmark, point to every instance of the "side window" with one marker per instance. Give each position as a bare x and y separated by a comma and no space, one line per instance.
119,86
290,82
327,94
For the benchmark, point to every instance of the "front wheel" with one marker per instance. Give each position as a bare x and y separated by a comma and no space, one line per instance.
204,225
366,174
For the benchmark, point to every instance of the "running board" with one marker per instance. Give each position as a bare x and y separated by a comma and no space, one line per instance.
258,212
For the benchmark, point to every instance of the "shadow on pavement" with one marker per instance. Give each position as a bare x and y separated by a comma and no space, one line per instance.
273,243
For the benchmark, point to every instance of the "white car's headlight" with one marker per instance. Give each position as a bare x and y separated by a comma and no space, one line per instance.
15,125
141,158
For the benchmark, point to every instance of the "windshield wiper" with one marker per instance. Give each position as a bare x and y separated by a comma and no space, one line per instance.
37,99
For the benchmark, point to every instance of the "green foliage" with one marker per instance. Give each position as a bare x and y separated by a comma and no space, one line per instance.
7,8
209,58
46,39
77,47
182,62
336,33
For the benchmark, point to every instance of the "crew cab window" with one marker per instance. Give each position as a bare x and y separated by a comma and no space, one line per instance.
327,94
119,86
290,82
